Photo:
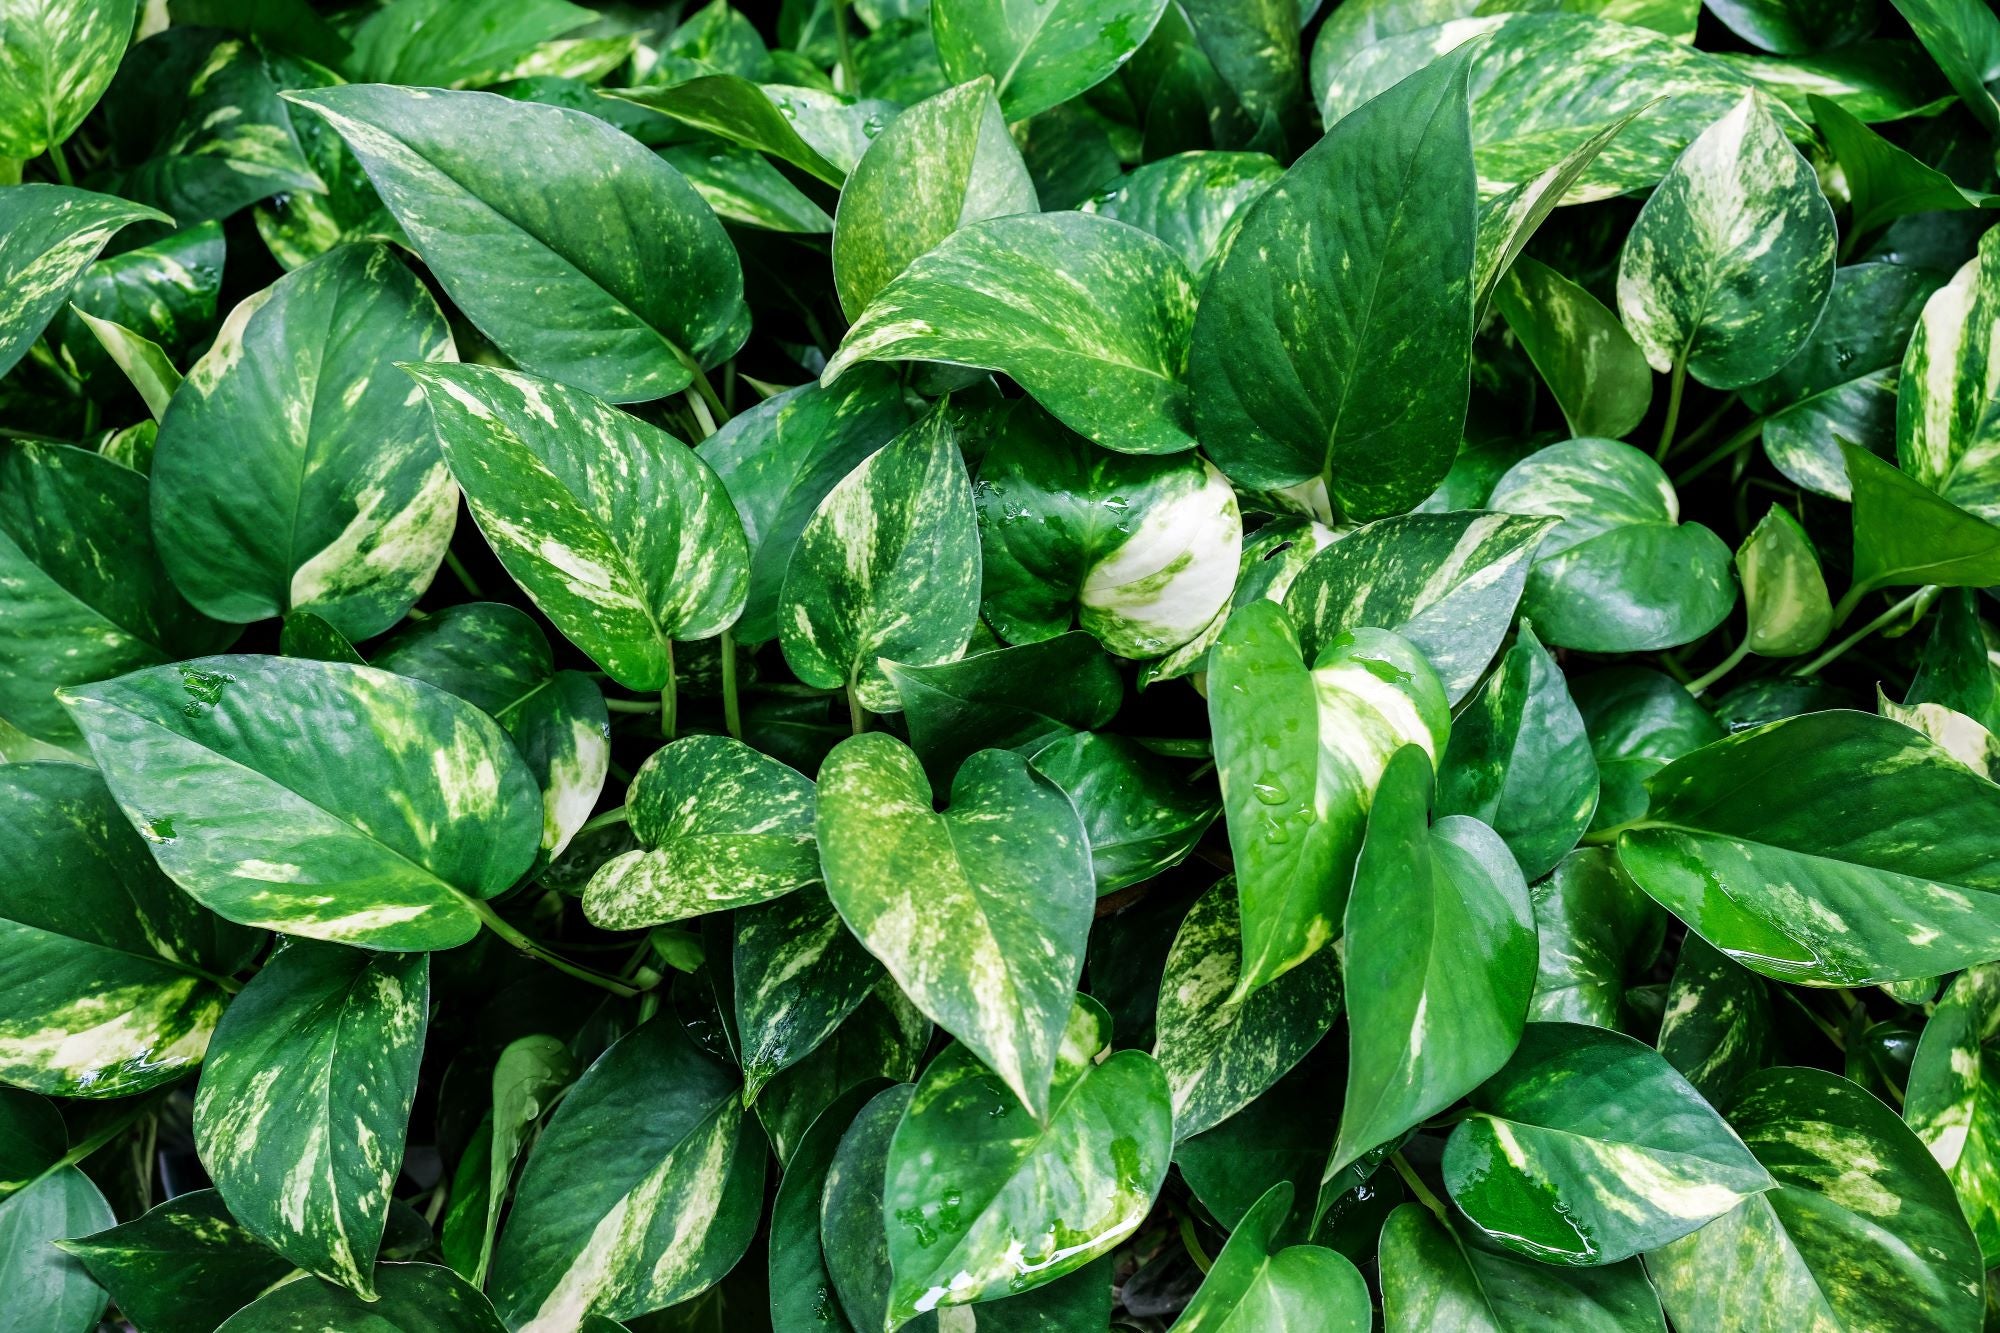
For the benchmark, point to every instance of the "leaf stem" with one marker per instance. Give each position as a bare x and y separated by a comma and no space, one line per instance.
1721,669
97,1140
716,412
857,716
1675,387
732,706
61,163
1192,1243
1919,601
1417,1187
670,698
500,926
633,705
1734,444
617,814
462,574
851,85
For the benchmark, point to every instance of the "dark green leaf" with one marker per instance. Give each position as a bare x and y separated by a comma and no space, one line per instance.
48,236
1256,1285
1006,699
1039,52
182,1267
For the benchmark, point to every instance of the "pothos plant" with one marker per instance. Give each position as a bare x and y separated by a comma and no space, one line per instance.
1005,665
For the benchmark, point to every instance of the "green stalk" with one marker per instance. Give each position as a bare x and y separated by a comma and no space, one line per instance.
462,574
857,716
670,700
1919,601
500,926
852,86
1722,668
1417,1187
1675,387
617,814
1727,449
732,707
61,164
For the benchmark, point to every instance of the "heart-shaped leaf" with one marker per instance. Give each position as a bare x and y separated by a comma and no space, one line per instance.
1256,1285
1039,52
181,1265
61,55
48,236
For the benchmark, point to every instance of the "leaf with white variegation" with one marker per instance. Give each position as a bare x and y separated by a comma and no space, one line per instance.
149,369
305,1100
1040,52
1256,1285
1509,220
228,767
412,1298
1946,395
1597,930
1143,817
58,59
980,912
1953,1099
1192,201
182,1266
1716,1028
798,973
1784,594
48,236
619,532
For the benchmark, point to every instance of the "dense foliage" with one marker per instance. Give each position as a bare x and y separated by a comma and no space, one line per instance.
999,665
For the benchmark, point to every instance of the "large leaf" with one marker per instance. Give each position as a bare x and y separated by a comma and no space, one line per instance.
599,266
1589,1148
48,236
621,534
979,912
1437,957
303,1105
413,1298
1862,1231
338,802
1336,342
719,826
1754,841
1964,39
1448,583
1597,373
1039,52
1105,350
798,974
642,1191
982,1201
1946,394
1730,262
939,165
448,43
109,987
1257,1285
343,513
58,59
1220,1051
181,1267
1297,806
886,568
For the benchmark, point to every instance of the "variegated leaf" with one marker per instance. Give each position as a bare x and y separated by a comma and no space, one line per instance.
1257,1285
1784,594
1964,738
344,513
1192,201
1104,350
886,567
1218,1050
109,987
1040,53
228,767
943,163
982,1201
1717,1026
620,533
980,912
1509,220
164,292
417,1297
719,826
1953,1100
798,974
148,368
1597,931
1949,387
1272,558
56,61
48,236
1299,744
439,44
299,226
303,1105
1589,1148
617,1213
182,1265
1597,374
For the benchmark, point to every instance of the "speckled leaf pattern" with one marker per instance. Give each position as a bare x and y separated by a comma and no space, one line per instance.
1141,816
1953,1100
413,1298
305,1100
886,567
1220,1051
1784,594
1789,877
943,163
1299,745
1639,721
1337,342
49,1291
1620,573
983,1201
1596,929
1949,386
164,292
1963,738
1448,583
145,365
1509,220
1256,1285
1520,760
1597,373
619,1211
1192,201
1861,1232
884,1038
719,826
601,266
980,912
1717,1026
1589,1148
1103,346
619,532
108,985
1962,39
1039,52
1141,552
1438,959
435,43
48,236
316,798
182,1265
56,61
798,974
84,594
344,513
1731,260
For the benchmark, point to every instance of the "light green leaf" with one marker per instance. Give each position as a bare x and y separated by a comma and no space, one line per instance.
450,43
413,1298
1784,594
530,1076
303,1105
1953,1102
345,513
1297,805
182,1266
1779,874
1906,534
1588,1148
1438,959
1597,374
798,974
49,1291
943,163
719,826
820,133
1141,552
621,535
1255,1285
600,266
149,368
1006,699
617,1213
1945,394
1105,350
1862,1231
886,568
1520,760
980,912
58,59
1963,738
48,236
1336,342
1717,1026
388,844
1039,52
1142,817
1596,929
1192,201
1219,1050
1448,583
1964,39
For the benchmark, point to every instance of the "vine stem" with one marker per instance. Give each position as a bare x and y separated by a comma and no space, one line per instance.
1919,601
633,705
500,926
857,716
670,698
1722,668
90,1145
1729,447
462,574
1416,1186
61,163
844,45
1676,386
732,706
617,814
1192,1244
